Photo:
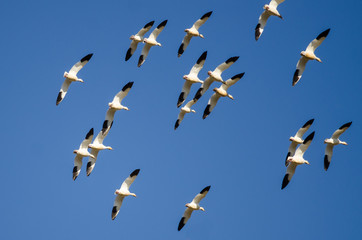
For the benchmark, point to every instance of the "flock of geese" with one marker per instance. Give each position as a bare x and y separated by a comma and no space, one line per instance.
295,155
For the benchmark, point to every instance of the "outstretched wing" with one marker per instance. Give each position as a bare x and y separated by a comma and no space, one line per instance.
145,29
128,182
123,93
304,129
132,48
199,64
77,166
184,44
185,218
158,30
202,20
63,90
261,24
225,65
79,65
144,54
341,130
201,195
328,156
275,3
304,146
184,93
291,151
211,105
289,174
300,69
318,41
228,83
116,206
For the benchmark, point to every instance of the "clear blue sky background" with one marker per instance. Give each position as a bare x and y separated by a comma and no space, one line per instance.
239,149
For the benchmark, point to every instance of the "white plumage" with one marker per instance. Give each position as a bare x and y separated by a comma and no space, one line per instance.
183,111
139,37
82,152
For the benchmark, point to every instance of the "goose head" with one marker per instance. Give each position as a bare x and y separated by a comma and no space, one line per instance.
201,36
343,143
109,148
266,7
159,44
306,162
318,59
117,192
209,73
195,112
131,37
231,97
186,77
75,151
202,209
132,194
303,53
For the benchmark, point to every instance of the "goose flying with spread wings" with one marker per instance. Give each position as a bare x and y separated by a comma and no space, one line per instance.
331,142
214,76
193,32
116,105
191,78
270,10
123,192
221,92
72,77
194,205
296,160
137,39
307,55
185,109
297,139
151,41
96,146
82,152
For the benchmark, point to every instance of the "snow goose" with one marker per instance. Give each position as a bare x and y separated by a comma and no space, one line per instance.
221,92
116,105
72,77
214,76
96,146
137,39
151,41
191,78
193,32
270,10
297,159
82,152
123,192
297,139
307,55
183,111
194,205
331,142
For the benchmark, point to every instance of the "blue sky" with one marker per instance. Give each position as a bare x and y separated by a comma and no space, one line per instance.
239,149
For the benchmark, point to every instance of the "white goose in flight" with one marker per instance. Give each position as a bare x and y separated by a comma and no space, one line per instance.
137,39
193,32
331,142
123,192
185,109
72,77
151,41
194,205
82,152
116,105
221,92
297,139
191,78
214,76
307,55
297,159
96,146
270,10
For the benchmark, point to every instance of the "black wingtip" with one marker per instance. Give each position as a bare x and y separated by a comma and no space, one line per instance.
202,57
346,125
295,77
285,181
310,122
309,138
128,54
180,50
286,159
181,224
162,24
198,95
326,162
181,99
232,59
87,58
323,34
114,212
135,172
59,98
206,189
206,112
140,61
177,124
150,24
89,165
206,15
90,133
240,75
257,32
128,85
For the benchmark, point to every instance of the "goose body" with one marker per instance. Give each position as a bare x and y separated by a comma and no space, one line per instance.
82,152
297,139
71,76
191,78
194,205
193,32
151,41
183,111
270,10
123,192
297,159
221,92
333,141
307,55
214,76
139,37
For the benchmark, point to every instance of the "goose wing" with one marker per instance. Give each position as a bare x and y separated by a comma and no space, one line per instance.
300,69
202,20
211,105
228,83
158,30
289,174
123,93
328,156
261,24
87,140
116,206
304,129
132,48
77,166
185,218
144,54
341,130
225,65
204,87
304,146
182,113
128,182
291,151
184,93
92,161
145,29
318,41
107,124
275,3
184,44
79,65
199,64
201,195
63,90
